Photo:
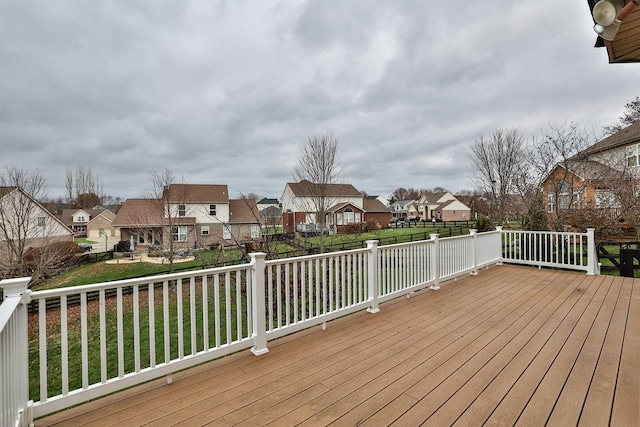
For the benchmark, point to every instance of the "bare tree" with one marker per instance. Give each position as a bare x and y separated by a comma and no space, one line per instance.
169,196
630,116
84,188
317,168
402,193
556,155
497,164
71,195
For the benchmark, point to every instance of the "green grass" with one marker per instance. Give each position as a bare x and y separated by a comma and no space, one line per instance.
102,272
54,364
389,235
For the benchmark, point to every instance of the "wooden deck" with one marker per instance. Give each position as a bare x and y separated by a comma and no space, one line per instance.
511,346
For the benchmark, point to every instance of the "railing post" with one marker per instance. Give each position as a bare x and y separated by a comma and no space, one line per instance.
435,260
592,255
372,275
474,251
19,288
499,228
258,304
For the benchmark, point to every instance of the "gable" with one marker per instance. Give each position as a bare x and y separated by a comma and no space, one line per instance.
341,207
454,205
15,203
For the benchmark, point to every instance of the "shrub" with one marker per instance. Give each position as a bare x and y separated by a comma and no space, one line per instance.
372,226
51,259
353,228
483,223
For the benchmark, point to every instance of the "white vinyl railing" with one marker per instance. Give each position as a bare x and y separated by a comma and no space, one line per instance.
574,251
97,339
14,354
113,335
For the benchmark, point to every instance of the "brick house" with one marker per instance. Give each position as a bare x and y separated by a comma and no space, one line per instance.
343,205
193,215
603,179
442,206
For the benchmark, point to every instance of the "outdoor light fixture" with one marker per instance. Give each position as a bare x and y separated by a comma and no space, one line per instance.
609,14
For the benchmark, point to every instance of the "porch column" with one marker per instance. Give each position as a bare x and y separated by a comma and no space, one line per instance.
258,304
372,275
435,261
593,267
474,251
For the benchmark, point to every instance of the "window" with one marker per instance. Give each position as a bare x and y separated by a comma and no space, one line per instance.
464,215
632,155
204,230
563,201
551,206
40,221
80,218
179,234
255,231
182,210
605,199
349,216
577,198
212,210
226,232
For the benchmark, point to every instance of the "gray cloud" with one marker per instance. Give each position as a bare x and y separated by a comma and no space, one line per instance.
227,91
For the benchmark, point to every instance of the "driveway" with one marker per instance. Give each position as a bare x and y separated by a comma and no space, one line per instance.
98,244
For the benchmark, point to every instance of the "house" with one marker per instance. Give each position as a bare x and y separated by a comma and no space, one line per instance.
268,203
375,211
601,181
404,208
625,46
442,206
101,225
270,212
25,223
192,215
78,220
342,204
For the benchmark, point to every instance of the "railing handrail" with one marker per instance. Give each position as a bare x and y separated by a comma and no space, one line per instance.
46,293
314,256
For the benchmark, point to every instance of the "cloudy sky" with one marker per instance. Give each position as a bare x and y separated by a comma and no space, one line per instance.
226,92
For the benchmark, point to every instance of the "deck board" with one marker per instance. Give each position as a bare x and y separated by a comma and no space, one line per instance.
506,347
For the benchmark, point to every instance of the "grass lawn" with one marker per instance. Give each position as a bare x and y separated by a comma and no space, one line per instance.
99,272
216,320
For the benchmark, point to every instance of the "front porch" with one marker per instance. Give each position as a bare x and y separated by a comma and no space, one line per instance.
510,346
